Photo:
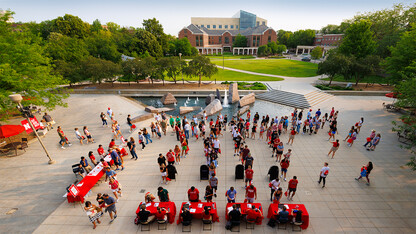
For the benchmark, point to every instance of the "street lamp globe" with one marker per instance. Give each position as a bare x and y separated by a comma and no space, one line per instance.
16,98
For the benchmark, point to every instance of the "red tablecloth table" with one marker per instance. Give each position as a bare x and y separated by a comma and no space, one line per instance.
152,208
274,210
197,209
243,210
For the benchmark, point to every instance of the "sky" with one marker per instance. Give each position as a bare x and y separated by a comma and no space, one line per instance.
289,15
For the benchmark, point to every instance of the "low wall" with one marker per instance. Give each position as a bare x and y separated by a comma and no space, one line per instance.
356,93
159,93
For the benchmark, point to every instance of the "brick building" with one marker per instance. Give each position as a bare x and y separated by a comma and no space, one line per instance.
216,35
326,41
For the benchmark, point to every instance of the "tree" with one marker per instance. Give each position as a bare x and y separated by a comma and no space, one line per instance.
99,70
240,41
153,69
154,27
362,67
72,26
281,49
113,27
200,66
330,67
272,47
172,66
68,49
96,26
101,45
316,53
358,40
181,46
25,69
145,41
263,50
283,36
402,56
301,37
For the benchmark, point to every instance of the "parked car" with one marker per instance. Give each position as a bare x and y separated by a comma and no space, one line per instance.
306,59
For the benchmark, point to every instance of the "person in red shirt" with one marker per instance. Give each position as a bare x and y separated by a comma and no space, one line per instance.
291,136
171,157
206,215
104,163
284,164
251,193
112,144
253,214
161,214
335,146
92,158
101,151
193,194
249,175
293,184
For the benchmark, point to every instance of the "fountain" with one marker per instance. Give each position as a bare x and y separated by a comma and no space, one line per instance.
225,103
196,102
187,99
184,104
197,99
175,104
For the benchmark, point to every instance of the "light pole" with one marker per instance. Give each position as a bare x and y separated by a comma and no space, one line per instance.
180,62
222,58
17,98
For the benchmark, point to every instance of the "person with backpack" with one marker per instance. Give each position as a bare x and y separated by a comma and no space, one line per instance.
365,172
335,147
323,174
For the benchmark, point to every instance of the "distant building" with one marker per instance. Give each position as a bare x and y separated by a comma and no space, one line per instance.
216,35
326,41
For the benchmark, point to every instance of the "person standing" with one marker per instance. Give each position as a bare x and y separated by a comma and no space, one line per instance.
110,113
163,194
141,139
110,207
193,194
213,182
274,185
291,136
93,213
172,122
323,174
132,147
208,193
360,124
251,193
231,195
129,123
79,136
370,138
335,147
277,195
249,175
88,135
115,187
171,157
103,119
62,137
177,151
147,136
293,184
284,164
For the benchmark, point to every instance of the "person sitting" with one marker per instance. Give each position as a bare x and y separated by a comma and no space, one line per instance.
161,215
206,215
283,215
149,197
145,216
186,217
234,218
253,214
81,171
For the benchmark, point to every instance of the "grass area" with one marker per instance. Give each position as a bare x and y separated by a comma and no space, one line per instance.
282,67
333,87
367,79
228,57
227,75
248,86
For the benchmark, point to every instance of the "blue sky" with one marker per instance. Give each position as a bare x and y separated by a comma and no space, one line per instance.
175,14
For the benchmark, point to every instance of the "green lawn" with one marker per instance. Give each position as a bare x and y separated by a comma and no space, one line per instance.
282,67
227,75
226,57
367,79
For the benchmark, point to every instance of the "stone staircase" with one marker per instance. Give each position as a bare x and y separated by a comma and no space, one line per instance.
285,98
316,97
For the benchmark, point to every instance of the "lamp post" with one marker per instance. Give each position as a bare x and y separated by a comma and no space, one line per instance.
17,98
222,58
180,62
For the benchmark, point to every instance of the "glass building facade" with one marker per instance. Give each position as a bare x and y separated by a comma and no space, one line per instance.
247,20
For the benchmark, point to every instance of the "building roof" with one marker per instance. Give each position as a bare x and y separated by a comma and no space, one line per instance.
234,32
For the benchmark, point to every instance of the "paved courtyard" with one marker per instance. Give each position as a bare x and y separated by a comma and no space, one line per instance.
344,206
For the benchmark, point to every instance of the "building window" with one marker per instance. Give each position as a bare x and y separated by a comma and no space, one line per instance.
220,26
220,39
236,26
201,41
258,23
232,26
208,26
214,26
263,23
270,31
202,25
233,39
227,40
185,31
269,38
197,40
256,40
226,26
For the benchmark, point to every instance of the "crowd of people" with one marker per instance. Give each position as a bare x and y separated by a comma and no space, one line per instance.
209,130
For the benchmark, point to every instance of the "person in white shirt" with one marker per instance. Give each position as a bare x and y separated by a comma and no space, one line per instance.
216,143
323,174
275,184
79,136
110,113
187,128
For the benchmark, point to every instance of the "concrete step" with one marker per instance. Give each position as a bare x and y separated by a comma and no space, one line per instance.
316,97
285,98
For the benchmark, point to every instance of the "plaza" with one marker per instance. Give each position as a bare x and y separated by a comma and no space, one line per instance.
345,205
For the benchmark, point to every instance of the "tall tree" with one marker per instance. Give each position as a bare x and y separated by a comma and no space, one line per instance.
200,66
172,66
96,26
72,26
25,69
331,66
154,27
240,41
283,37
316,53
102,45
302,37
145,41
281,49
358,40
99,70
273,47
402,56
182,46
